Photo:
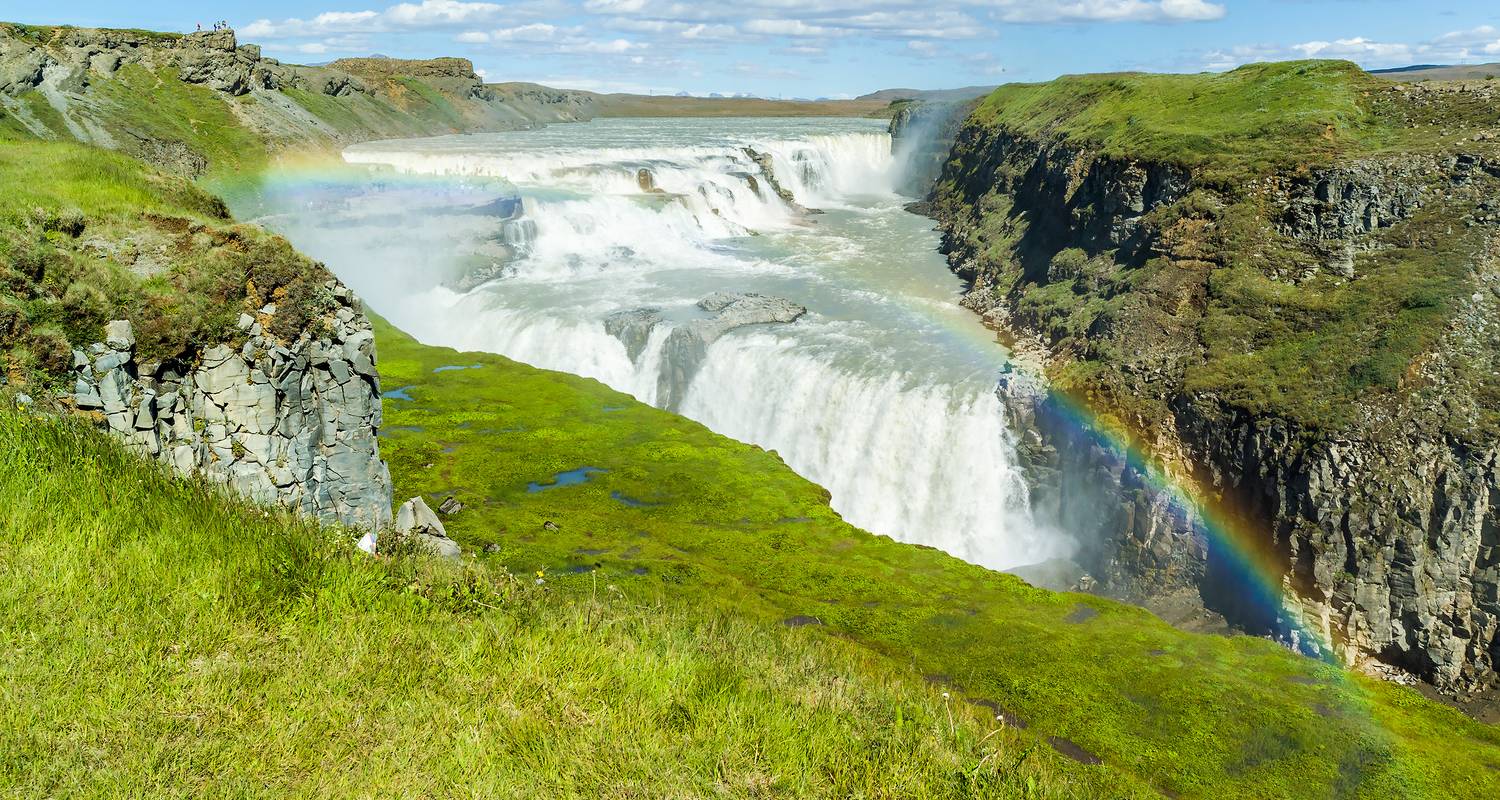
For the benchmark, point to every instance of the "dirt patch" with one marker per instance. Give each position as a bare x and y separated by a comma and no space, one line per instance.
801,620
1081,614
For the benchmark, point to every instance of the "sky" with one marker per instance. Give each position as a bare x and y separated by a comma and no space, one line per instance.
821,48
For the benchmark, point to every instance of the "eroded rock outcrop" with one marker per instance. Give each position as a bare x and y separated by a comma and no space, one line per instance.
78,73
687,344
289,423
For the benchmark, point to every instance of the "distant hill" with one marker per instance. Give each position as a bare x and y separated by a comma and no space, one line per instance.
963,93
1440,72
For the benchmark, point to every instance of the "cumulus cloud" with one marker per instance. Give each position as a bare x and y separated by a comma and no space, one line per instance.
1461,46
402,16
1108,10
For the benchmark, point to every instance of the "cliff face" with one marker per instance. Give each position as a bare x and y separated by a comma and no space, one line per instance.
922,133
215,347
1311,348
292,423
119,89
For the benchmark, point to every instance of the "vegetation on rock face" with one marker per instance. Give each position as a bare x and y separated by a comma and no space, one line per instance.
1245,122
1230,275
88,236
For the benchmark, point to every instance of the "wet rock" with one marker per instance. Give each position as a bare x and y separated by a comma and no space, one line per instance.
450,506
687,345
633,328
768,172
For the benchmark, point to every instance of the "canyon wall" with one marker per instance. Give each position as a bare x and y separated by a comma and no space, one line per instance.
1371,486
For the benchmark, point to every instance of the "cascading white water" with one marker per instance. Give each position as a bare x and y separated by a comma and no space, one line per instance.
883,393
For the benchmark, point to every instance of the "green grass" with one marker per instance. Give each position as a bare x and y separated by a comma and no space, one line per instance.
141,103
78,227
1251,120
726,525
160,640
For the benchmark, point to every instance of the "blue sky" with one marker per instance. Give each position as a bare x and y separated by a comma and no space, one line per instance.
811,48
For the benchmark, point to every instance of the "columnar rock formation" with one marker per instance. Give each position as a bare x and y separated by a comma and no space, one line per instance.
287,423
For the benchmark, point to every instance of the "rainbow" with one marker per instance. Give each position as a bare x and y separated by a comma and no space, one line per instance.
1240,553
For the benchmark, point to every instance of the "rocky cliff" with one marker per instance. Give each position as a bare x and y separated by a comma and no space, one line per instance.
212,346
122,89
1297,328
292,423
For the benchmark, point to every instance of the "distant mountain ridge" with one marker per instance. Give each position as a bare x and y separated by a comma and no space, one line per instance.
929,95
1441,72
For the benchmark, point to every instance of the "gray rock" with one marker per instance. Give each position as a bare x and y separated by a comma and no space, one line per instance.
119,334
415,518
633,328
687,345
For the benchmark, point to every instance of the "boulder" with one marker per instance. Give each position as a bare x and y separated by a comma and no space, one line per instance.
687,345
416,519
120,335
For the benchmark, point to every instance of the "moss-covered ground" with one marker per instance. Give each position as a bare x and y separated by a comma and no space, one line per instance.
1234,125
671,510
88,235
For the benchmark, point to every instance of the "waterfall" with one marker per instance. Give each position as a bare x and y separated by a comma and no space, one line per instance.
887,400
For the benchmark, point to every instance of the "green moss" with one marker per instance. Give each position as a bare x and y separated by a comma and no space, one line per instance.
720,524
87,235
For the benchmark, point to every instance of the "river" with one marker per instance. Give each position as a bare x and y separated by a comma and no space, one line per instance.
525,243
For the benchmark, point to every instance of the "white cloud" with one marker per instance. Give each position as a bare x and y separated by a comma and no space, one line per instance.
431,13
535,32
1109,10
788,27
402,16
1456,47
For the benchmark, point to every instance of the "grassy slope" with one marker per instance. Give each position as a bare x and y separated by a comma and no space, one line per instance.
1309,350
160,640
136,104
73,221
725,525
1250,120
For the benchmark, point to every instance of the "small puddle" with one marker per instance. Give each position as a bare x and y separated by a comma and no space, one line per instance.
572,477
630,501
612,409
457,367
1081,614
398,394
1002,713
801,620
1071,749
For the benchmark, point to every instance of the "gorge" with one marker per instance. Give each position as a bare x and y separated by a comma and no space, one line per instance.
1228,338
597,259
